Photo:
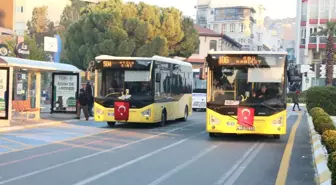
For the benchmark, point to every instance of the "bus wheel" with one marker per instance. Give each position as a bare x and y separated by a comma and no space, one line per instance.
276,136
212,135
185,114
111,124
163,119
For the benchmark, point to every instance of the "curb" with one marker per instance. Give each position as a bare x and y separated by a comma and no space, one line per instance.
320,158
8,129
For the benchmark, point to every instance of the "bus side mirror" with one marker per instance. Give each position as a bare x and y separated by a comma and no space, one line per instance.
158,77
202,73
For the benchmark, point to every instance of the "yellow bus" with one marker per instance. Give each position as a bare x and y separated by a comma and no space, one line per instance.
142,90
246,92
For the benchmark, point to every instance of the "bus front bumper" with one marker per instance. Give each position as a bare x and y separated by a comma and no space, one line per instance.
143,115
271,125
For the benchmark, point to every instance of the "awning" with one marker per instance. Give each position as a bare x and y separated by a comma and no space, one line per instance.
37,65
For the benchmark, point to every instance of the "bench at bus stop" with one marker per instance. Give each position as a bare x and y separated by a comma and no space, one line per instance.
23,107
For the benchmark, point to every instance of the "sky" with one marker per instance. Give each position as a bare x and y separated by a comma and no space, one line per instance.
274,9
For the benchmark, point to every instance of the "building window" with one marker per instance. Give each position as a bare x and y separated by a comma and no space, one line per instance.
223,28
215,28
232,27
213,45
241,27
19,9
198,46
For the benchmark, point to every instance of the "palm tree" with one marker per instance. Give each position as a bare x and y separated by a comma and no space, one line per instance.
330,31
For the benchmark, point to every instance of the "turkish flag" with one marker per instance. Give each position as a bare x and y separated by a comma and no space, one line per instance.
121,111
245,116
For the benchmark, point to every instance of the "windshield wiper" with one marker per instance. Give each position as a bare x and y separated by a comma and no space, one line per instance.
268,106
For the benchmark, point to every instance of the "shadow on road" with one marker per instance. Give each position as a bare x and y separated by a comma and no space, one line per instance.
247,138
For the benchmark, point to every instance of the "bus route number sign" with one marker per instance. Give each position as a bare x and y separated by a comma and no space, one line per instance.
245,60
120,64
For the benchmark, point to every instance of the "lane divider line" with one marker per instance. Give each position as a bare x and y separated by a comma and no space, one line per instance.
184,165
140,158
285,161
89,156
320,159
236,165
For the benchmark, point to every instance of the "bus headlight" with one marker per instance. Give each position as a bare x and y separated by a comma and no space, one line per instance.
278,121
214,120
146,113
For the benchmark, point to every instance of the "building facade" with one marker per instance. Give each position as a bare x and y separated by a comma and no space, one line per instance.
210,40
311,48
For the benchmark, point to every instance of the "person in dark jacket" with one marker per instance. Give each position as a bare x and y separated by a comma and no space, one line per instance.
83,104
295,99
89,93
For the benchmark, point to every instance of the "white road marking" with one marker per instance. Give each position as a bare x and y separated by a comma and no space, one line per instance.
226,175
89,156
182,166
114,169
242,167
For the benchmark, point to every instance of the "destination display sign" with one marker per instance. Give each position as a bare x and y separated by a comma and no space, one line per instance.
118,64
123,64
237,60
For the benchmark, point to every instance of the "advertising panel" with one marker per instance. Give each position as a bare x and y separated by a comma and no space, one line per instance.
65,88
3,93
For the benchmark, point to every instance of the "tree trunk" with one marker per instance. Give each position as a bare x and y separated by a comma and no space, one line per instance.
330,61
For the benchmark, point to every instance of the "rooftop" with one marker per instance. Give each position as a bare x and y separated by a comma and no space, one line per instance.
37,65
207,32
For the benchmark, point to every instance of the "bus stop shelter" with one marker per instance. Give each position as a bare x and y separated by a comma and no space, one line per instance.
10,82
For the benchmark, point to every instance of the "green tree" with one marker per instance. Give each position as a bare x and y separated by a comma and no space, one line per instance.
39,26
72,12
36,52
115,28
330,31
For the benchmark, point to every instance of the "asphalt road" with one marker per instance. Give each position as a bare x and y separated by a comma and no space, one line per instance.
180,153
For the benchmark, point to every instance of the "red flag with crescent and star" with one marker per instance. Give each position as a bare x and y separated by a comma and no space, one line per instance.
121,111
245,116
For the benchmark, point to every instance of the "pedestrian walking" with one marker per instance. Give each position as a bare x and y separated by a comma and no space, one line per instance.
89,93
295,99
83,104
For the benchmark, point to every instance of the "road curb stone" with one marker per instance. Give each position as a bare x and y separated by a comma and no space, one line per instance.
320,158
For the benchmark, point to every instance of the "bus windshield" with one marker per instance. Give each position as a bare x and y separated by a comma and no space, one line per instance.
121,78
117,81
199,86
261,87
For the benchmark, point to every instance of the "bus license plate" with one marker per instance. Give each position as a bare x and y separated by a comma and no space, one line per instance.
231,102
